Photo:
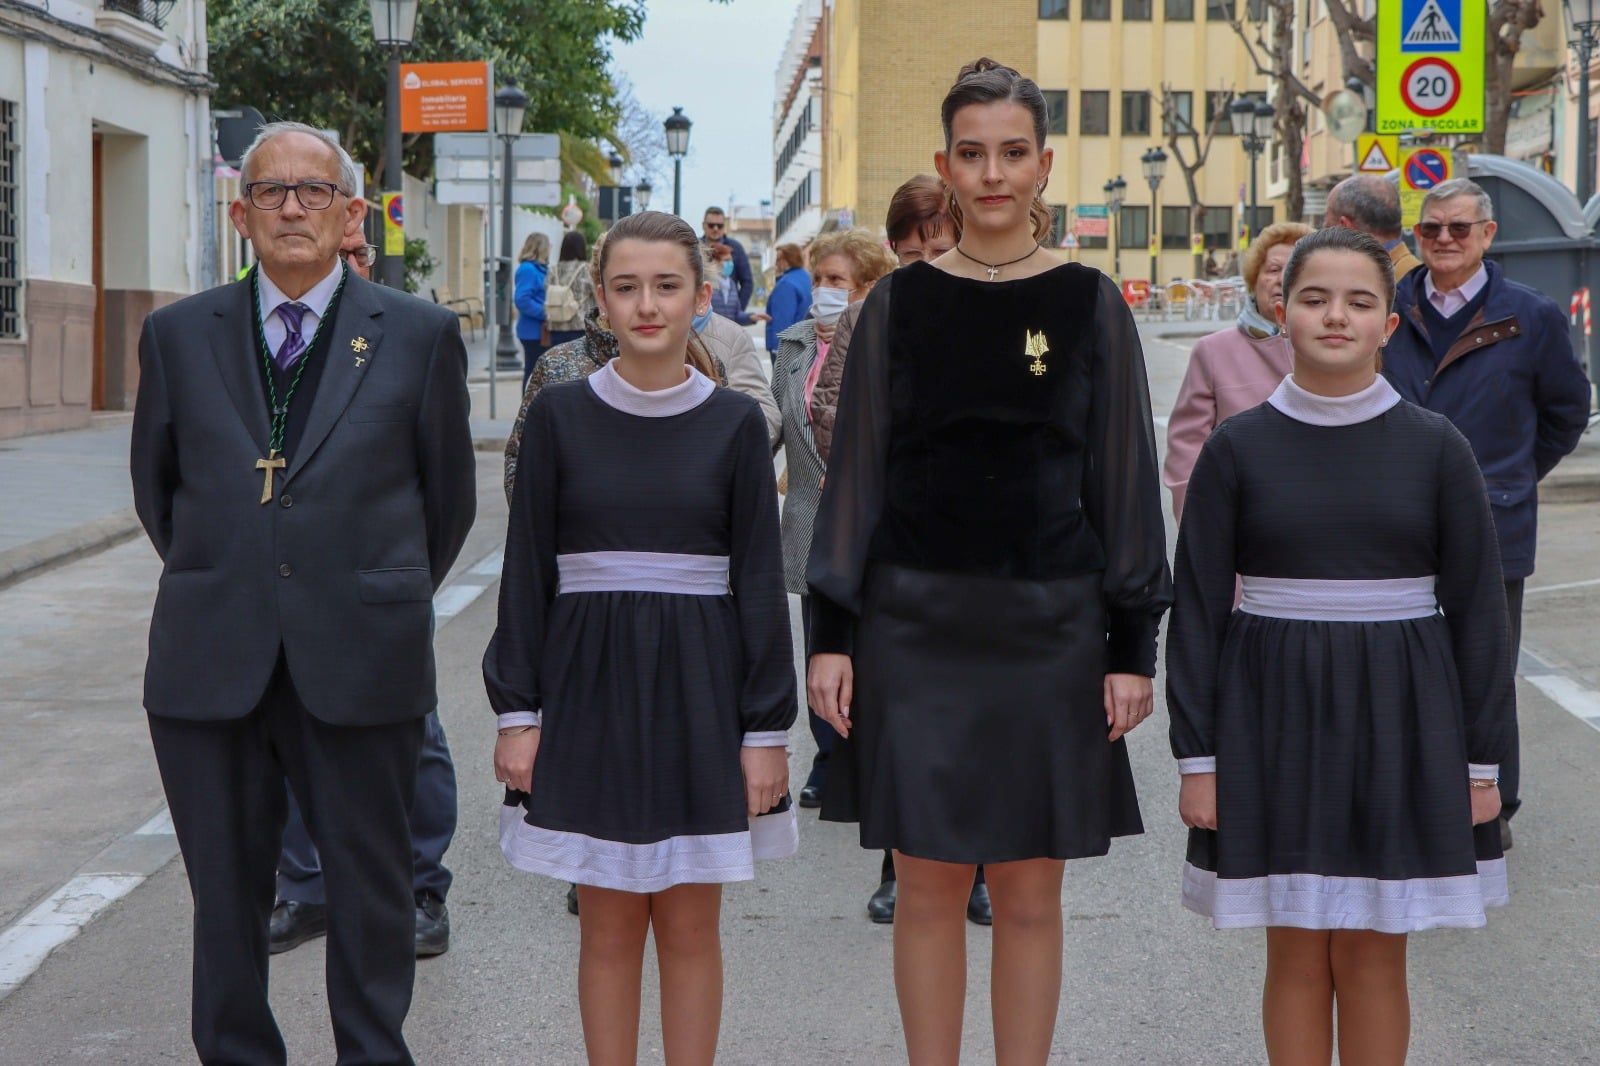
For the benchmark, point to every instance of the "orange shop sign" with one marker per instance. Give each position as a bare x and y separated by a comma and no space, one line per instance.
444,97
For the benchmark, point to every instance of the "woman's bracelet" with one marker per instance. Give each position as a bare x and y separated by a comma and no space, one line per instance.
1482,783
517,729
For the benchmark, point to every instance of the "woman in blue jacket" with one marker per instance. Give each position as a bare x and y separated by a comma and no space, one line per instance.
791,293
529,298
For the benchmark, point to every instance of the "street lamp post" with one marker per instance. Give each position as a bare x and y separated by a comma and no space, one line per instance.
1252,120
1116,191
394,23
1583,34
510,104
641,194
677,125
1155,168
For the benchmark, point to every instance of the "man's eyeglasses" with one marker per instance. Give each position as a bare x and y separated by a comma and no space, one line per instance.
1429,231
270,195
366,255
716,225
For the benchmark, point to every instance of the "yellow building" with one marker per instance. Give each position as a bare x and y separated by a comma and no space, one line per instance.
1103,64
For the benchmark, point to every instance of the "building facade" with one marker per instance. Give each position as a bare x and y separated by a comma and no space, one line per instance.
105,202
1105,66
797,129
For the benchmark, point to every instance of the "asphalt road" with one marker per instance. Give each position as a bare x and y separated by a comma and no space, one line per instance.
808,978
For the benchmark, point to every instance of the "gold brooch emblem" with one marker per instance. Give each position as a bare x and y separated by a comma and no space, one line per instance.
359,344
1036,348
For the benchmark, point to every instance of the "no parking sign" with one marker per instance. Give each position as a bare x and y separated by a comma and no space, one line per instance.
1421,169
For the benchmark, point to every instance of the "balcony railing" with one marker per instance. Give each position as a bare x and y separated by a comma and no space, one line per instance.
154,12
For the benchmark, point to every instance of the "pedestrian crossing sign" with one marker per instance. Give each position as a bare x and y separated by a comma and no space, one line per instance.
1431,25
1376,153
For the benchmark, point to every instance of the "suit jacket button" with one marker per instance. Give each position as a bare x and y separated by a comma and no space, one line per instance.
287,500
285,570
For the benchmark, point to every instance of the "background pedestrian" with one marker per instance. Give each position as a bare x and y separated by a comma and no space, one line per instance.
790,298
533,270
1371,204
714,231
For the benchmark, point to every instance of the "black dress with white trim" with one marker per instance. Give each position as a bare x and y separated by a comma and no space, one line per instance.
1364,678
644,627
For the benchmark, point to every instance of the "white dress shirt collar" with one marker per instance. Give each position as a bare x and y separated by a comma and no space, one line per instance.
1448,303
316,300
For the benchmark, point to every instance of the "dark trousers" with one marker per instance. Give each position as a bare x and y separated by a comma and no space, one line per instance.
531,351
433,825
1511,768
225,787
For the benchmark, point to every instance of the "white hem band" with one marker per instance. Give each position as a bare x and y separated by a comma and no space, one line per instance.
1324,600
1315,901
1199,764
585,860
774,738
629,571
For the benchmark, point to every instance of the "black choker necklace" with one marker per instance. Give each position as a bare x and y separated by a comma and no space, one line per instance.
994,268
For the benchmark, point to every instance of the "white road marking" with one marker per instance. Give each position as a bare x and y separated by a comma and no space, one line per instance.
1563,587
1578,700
28,941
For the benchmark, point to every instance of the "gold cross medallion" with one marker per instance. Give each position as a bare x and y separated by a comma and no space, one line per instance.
272,462
1035,349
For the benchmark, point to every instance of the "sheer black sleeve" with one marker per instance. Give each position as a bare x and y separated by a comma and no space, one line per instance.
852,494
1204,580
767,701
1471,592
528,579
1122,490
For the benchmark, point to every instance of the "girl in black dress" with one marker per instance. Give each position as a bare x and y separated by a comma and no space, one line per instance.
1339,733
642,668
987,569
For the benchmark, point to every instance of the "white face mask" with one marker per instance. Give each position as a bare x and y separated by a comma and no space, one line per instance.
828,304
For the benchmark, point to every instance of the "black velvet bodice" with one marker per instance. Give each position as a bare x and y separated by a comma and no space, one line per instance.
987,457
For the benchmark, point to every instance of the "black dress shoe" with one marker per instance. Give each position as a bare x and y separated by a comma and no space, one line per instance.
811,796
1505,833
978,910
880,908
433,925
293,923
572,899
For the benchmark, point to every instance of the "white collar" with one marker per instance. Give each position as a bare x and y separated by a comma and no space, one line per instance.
1469,289
1316,410
659,403
316,298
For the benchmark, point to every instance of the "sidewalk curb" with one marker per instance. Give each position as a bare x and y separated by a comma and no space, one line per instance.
1570,488
36,556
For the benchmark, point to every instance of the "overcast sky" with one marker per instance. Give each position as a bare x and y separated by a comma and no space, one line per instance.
717,62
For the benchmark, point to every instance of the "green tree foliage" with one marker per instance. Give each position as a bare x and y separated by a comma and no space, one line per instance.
316,61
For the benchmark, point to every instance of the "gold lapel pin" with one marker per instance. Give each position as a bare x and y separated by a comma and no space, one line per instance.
1036,348
358,346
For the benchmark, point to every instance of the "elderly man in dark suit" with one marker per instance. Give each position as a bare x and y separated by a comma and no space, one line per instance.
303,465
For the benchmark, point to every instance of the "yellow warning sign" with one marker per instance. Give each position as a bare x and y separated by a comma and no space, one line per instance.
1377,153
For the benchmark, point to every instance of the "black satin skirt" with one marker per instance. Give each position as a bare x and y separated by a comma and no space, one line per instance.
979,727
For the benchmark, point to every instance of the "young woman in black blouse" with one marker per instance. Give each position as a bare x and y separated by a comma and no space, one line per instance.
1339,733
988,568
642,669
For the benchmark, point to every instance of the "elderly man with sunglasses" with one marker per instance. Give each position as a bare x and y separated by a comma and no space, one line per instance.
303,465
1496,358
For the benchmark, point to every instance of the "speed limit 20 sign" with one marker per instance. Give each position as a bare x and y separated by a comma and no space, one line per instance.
1430,66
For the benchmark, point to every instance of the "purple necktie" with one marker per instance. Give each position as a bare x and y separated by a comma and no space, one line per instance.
292,314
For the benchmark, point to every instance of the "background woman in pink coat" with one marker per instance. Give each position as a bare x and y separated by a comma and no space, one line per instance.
1236,368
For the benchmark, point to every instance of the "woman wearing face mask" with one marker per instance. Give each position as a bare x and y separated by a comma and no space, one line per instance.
1339,733
725,290
987,575
844,264
1235,368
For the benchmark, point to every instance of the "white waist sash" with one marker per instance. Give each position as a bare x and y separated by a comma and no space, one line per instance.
1317,600
688,575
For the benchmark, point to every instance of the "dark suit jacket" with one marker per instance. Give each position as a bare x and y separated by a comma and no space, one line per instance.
339,569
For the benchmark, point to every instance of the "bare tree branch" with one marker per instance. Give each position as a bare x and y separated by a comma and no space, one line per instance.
1180,128
1507,21
1351,28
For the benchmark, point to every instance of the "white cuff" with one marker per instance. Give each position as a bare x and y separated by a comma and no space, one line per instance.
1200,764
776,738
512,719
1483,771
